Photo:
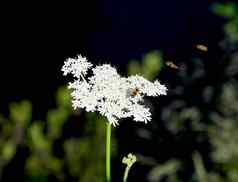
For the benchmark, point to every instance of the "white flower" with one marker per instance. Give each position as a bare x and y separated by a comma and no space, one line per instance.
140,113
146,87
108,93
77,67
129,160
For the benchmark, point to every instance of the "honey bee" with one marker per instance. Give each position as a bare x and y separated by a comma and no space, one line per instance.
135,92
171,65
202,47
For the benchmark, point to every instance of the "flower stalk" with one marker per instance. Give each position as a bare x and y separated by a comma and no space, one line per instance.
108,152
128,161
126,174
112,95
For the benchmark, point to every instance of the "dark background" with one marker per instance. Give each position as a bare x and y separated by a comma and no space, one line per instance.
37,37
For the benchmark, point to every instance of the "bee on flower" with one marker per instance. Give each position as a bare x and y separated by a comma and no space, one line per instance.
135,92
107,92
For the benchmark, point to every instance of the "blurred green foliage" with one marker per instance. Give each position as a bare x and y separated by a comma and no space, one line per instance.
167,170
150,66
80,158
21,112
211,121
228,10
56,154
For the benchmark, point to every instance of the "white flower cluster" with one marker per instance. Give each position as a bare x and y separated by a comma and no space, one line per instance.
108,93
129,160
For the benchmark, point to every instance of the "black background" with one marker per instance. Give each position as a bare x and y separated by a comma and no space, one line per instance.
36,38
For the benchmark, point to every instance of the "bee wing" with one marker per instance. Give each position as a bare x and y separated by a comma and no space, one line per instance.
171,65
202,47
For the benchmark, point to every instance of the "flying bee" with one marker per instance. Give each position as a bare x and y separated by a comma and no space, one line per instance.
202,47
171,65
135,92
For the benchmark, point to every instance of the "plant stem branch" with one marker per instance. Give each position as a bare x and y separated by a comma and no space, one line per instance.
108,152
126,174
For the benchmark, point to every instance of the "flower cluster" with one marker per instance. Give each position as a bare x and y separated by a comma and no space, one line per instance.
129,160
108,93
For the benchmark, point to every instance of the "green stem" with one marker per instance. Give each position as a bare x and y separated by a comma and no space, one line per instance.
108,152
126,174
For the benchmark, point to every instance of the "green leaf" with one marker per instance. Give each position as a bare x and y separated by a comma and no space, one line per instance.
151,64
199,168
226,10
63,98
8,150
55,121
167,169
134,67
21,112
231,29
35,167
37,138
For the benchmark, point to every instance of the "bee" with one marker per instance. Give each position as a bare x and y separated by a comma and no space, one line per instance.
135,92
171,65
202,47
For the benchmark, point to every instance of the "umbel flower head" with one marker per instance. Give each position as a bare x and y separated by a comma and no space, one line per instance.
108,93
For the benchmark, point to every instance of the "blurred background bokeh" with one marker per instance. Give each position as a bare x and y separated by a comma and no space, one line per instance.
191,47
